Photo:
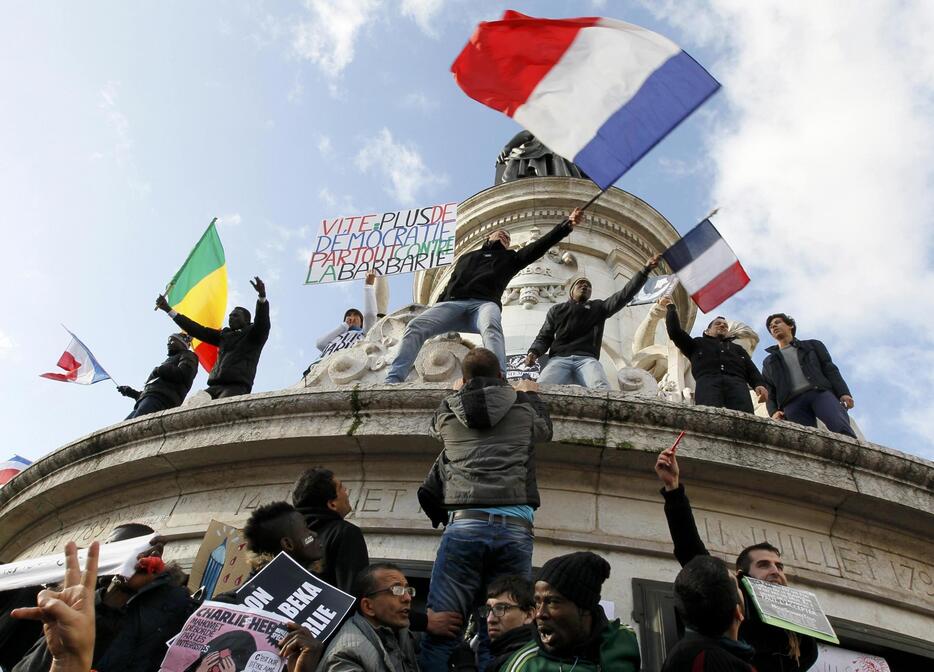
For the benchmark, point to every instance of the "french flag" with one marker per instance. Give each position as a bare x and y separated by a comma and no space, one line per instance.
11,467
79,365
706,266
599,92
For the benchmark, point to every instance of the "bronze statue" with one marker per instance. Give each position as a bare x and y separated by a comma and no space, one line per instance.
526,156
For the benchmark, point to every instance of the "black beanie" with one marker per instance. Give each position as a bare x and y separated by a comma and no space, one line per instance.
577,576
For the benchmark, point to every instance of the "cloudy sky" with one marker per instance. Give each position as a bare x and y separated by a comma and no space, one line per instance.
128,126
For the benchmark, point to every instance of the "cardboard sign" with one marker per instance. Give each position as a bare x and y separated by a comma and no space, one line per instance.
227,637
222,562
517,370
288,589
654,289
119,557
790,608
835,659
388,243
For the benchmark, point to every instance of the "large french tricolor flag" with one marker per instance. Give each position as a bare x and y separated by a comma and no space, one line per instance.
11,467
706,266
599,92
79,365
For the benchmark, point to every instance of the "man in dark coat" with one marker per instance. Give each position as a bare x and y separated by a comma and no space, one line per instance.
777,650
169,382
573,333
472,300
723,370
709,601
483,488
239,344
804,384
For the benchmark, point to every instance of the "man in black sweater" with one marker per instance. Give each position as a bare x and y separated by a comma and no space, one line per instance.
573,333
239,344
723,370
472,300
777,650
169,382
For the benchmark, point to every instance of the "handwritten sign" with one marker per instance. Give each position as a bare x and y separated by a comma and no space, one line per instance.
221,636
790,608
286,588
833,659
388,243
221,564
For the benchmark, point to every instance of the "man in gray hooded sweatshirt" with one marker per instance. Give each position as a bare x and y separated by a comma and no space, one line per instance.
483,489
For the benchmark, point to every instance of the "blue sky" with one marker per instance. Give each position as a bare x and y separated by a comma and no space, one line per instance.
128,126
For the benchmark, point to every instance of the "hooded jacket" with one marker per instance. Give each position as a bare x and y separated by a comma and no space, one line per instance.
816,365
172,379
772,644
489,431
238,349
612,646
576,328
483,274
345,551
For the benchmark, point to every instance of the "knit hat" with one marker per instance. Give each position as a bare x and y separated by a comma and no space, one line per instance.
574,282
577,576
182,338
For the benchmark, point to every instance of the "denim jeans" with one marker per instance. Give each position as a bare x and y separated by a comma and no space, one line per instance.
148,404
806,408
575,370
467,315
472,553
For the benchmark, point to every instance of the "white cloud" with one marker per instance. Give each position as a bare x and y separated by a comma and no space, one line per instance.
233,219
400,164
123,147
423,12
824,169
419,101
337,205
7,346
327,36
325,147
297,91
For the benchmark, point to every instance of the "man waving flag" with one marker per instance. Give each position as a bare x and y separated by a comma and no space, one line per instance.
598,92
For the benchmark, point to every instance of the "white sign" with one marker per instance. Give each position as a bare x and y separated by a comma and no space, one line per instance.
835,659
117,558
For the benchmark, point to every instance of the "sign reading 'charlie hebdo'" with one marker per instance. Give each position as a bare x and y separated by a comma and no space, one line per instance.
389,243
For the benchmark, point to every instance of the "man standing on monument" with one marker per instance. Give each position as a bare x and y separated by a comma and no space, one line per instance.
239,344
355,325
777,650
483,488
722,370
804,383
472,300
169,382
573,333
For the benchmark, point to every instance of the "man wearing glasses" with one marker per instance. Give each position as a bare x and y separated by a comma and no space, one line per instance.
376,638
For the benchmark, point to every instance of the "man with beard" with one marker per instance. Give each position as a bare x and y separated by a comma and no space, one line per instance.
472,300
169,382
777,650
572,630
722,369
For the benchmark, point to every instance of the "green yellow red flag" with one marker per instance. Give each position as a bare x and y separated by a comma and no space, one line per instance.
199,290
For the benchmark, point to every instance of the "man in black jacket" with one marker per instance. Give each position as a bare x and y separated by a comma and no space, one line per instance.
169,382
472,300
804,384
239,344
777,650
723,370
573,333
709,601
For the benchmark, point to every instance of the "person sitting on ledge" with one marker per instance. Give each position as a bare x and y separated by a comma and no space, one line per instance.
573,333
355,325
239,344
721,368
472,300
777,650
169,382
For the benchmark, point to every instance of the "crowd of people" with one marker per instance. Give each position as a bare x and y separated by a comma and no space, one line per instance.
799,381
482,489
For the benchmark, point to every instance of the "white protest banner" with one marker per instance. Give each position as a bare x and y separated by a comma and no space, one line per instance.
835,659
116,558
220,636
654,289
388,243
790,608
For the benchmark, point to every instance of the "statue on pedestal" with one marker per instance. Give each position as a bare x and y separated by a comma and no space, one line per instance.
526,156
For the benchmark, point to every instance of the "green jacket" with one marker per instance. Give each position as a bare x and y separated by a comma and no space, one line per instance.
619,652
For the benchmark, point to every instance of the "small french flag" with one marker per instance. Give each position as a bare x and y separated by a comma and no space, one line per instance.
11,467
599,92
79,365
706,266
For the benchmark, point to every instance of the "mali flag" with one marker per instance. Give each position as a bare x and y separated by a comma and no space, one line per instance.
199,290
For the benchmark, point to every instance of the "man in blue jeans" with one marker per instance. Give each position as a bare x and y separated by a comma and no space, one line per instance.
472,300
483,488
